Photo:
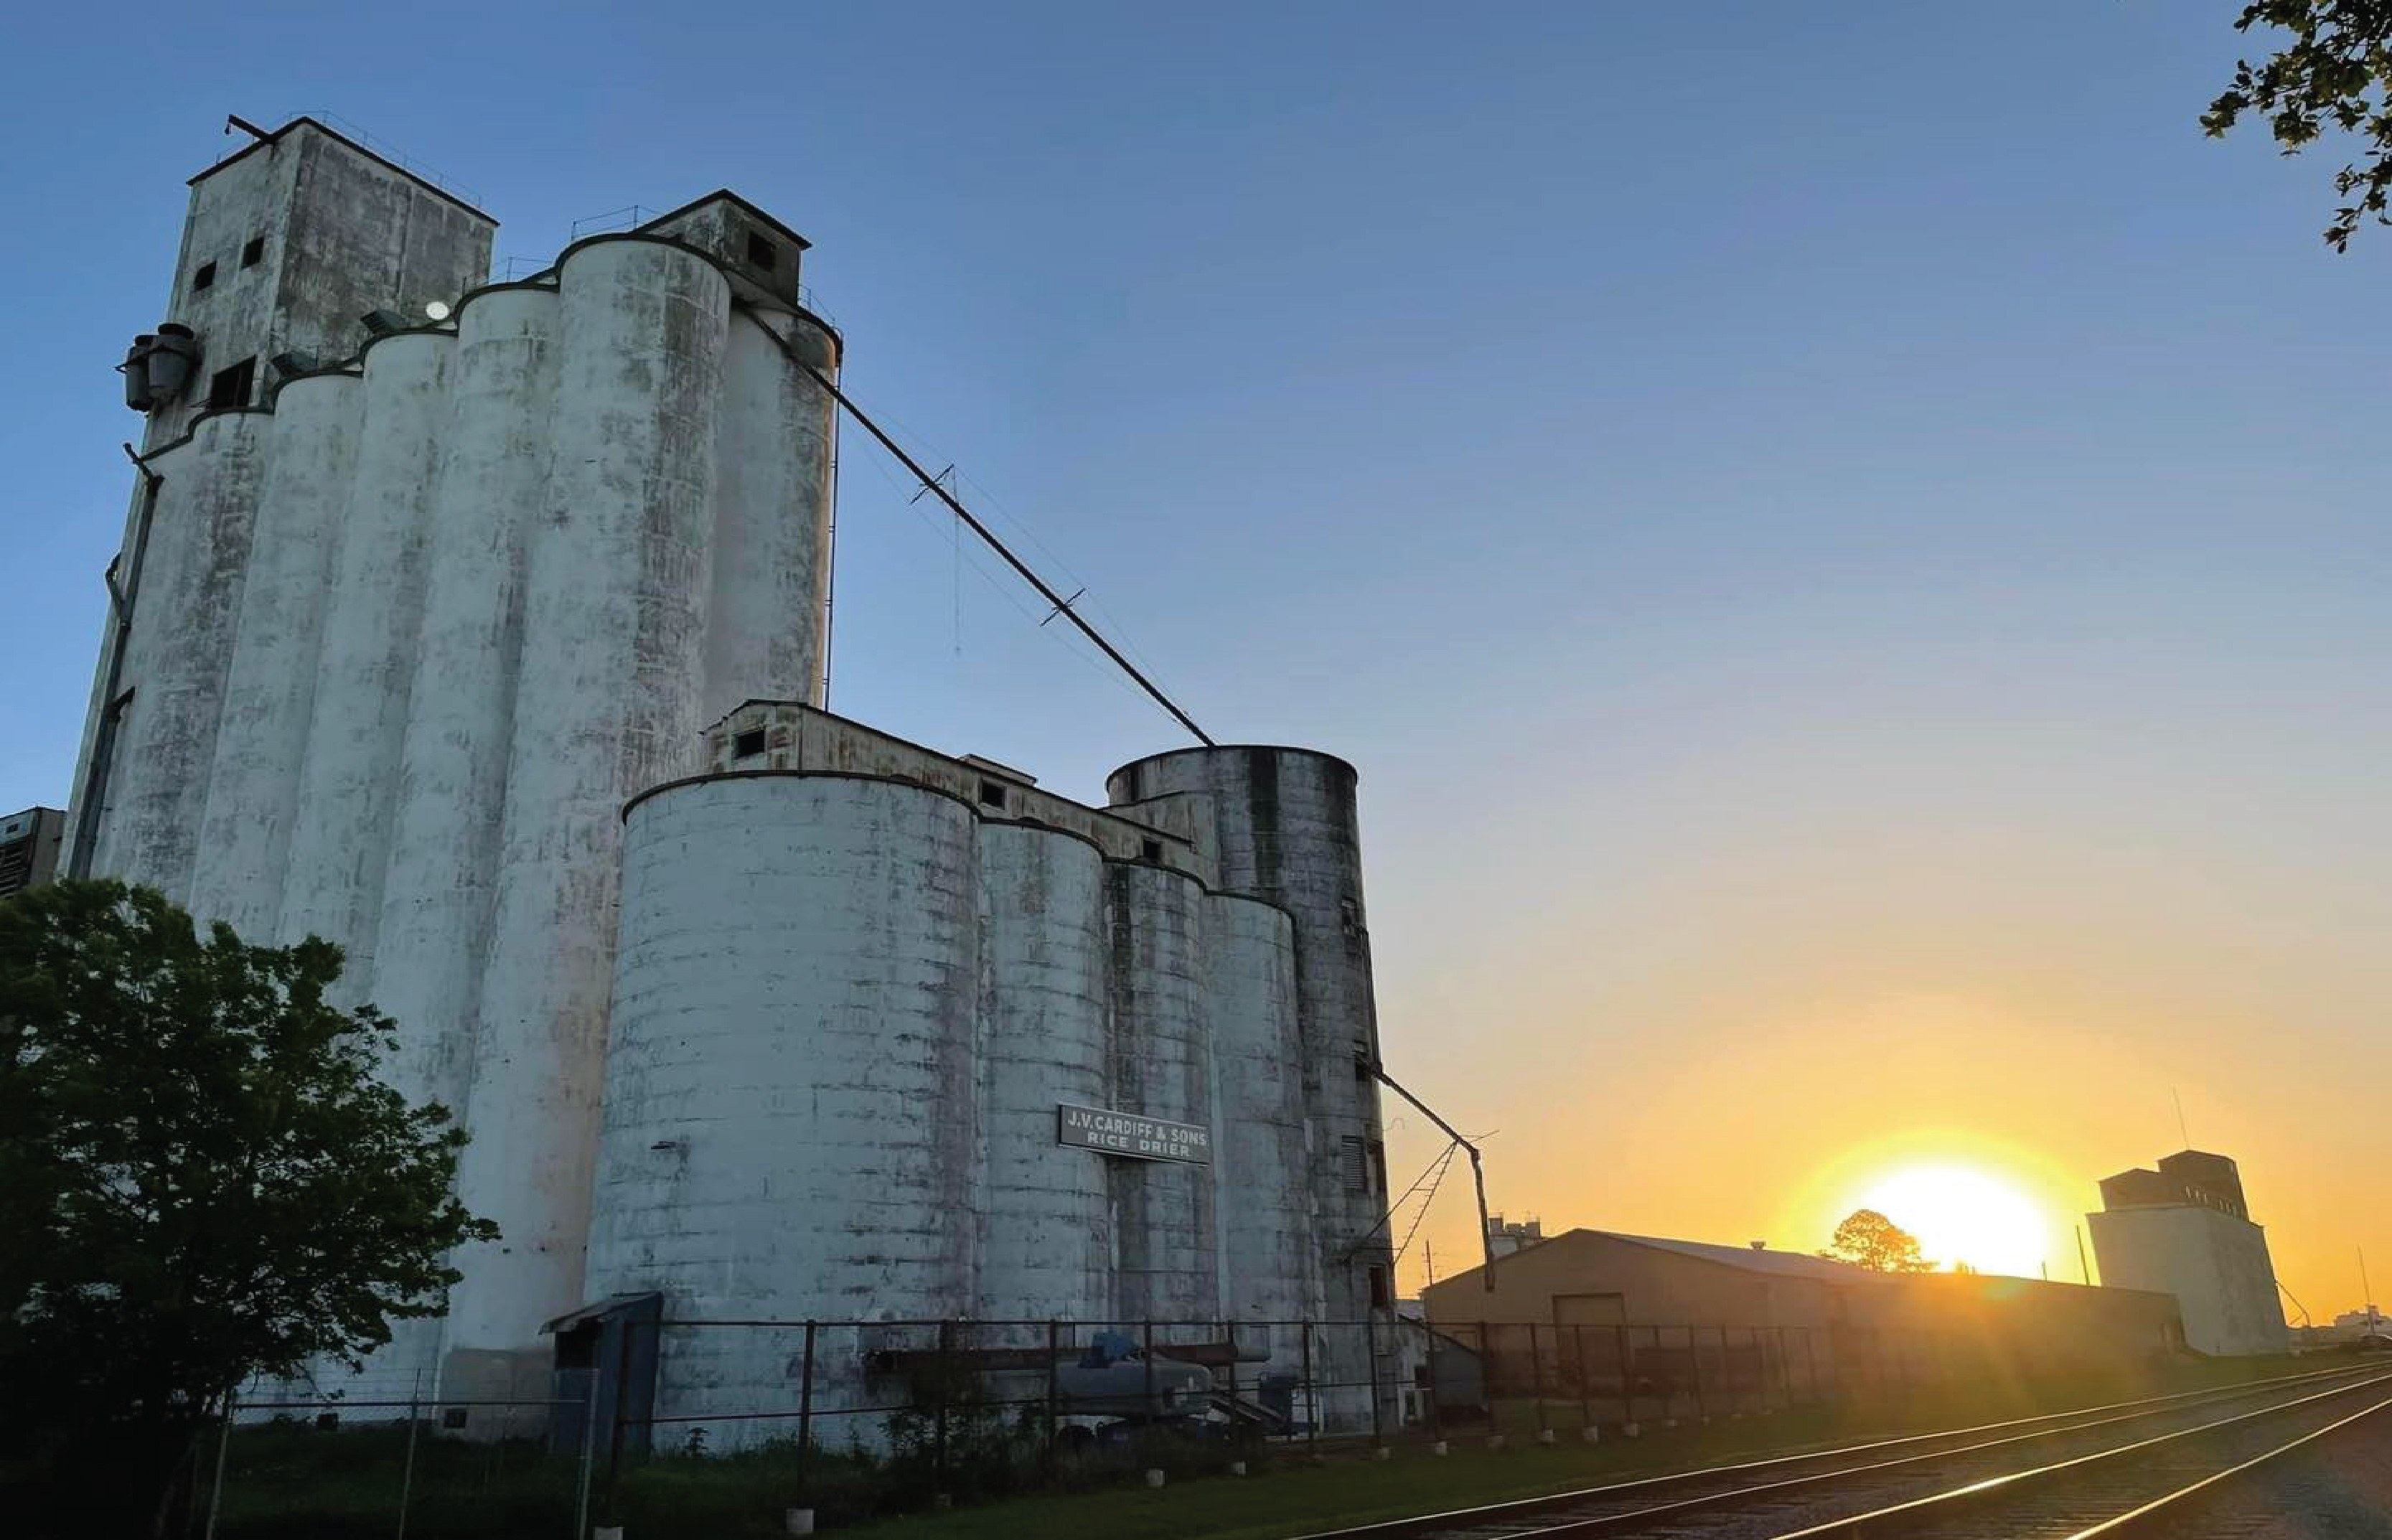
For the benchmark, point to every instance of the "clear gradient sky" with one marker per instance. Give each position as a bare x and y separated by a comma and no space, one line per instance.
1847,541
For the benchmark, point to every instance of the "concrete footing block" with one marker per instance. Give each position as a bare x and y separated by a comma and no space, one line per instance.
798,1521
1154,1475
1592,1434
1383,1453
1544,1435
606,1532
1494,1441
1237,1468
1440,1447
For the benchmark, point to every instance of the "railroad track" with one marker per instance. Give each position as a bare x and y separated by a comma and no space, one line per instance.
2055,1474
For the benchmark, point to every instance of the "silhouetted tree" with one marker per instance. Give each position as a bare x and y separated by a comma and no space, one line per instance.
201,1179
1867,1238
2333,72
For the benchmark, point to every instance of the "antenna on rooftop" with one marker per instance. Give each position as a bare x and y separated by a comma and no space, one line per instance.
2179,1118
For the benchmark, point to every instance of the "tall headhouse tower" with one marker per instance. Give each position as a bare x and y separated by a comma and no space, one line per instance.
480,628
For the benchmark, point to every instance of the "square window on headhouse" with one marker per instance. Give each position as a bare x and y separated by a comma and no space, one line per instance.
747,745
992,795
762,253
229,388
1151,851
254,253
204,277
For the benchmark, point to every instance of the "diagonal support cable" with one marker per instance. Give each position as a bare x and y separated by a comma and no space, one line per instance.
933,484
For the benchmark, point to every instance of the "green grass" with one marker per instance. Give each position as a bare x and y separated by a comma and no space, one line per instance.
288,1482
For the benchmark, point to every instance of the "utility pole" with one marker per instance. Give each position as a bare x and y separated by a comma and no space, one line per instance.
2083,1267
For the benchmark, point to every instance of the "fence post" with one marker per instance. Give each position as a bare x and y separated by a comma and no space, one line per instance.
1370,1349
1695,1358
1230,1334
939,1448
216,1488
1627,1379
806,1406
1585,1386
1311,1398
1436,1390
1487,1373
1811,1365
1729,1378
1054,1350
406,1477
1146,1356
1537,1384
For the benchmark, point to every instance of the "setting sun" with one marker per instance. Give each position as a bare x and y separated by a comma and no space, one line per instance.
1961,1215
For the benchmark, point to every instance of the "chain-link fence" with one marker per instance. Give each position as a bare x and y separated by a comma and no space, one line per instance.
666,1426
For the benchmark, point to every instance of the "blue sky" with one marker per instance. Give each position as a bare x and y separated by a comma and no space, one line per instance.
1793,509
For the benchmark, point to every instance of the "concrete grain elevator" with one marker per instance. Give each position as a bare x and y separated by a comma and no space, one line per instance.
481,628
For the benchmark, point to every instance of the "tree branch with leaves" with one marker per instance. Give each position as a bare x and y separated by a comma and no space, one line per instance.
2331,76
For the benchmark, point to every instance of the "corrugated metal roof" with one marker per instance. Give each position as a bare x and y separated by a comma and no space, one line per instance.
1787,1264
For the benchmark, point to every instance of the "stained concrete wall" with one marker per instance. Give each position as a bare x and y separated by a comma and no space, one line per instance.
848,1003
791,1100
481,618
179,652
1286,830
2216,1264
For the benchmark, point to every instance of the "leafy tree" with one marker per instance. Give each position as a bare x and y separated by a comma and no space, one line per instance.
2333,72
1867,1238
201,1180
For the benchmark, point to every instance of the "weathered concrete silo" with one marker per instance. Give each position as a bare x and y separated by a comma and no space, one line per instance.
1043,1211
269,690
491,647
1283,827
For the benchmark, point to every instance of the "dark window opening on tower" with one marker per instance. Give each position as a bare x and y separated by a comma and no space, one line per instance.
1379,1165
1151,851
1382,1296
991,794
747,745
762,253
204,277
254,253
229,388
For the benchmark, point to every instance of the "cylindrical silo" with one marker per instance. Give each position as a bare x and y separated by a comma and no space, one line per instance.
437,890
1286,832
349,782
270,687
1264,1156
178,650
790,1090
767,631
1043,1210
616,574
1170,1267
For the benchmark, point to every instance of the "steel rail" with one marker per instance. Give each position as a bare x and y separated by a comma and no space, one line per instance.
1529,1508
1907,1516
2162,1515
